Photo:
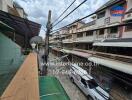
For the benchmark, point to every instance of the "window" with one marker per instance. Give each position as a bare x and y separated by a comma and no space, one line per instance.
89,33
101,15
63,38
84,82
80,35
88,46
92,84
128,28
114,30
101,31
69,37
77,45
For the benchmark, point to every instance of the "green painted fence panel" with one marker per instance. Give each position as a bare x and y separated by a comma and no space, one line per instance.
10,61
51,89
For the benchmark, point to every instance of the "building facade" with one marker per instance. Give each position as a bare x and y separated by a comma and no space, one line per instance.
106,41
13,8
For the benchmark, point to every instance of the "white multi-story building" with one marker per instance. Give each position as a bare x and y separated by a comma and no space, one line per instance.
107,41
13,8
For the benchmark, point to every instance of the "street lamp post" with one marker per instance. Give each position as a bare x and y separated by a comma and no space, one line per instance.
33,46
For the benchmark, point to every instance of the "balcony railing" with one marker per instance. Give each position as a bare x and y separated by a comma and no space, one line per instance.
85,39
91,23
67,41
107,36
100,22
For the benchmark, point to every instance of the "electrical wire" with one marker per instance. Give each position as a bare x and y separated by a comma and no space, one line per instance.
85,17
124,24
64,11
69,13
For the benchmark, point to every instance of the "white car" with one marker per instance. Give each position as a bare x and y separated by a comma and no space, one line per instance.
87,84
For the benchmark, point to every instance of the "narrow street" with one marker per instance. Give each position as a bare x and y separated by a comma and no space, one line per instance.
66,50
72,90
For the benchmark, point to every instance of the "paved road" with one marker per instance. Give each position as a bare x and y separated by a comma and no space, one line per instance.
72,90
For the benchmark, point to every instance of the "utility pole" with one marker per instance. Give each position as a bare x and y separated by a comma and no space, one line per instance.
46,54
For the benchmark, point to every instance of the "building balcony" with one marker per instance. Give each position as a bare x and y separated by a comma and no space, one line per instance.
99,37
67,41
105,21
114,20
85,39
128,16
100,22
51,41
54,41
106,36
112,36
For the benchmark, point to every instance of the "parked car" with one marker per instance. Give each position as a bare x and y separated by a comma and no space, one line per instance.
87,84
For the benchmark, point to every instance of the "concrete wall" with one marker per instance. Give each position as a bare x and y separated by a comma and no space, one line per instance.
20,11
129,4
126,34
5,4
0,4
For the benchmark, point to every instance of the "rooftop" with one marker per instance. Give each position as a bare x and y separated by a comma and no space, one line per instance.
109,3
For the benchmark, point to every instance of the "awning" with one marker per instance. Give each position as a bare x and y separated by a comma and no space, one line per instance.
81,54
56,49
65,51
4,27
77,53
114,44
22,26
116,65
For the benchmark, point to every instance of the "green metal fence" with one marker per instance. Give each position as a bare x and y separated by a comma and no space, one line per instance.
10,61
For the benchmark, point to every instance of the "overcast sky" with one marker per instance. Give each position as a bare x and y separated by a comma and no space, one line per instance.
37,10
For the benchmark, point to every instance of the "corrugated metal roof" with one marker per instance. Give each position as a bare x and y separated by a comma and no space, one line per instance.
77,53
22,26
116,65
114,44
5,27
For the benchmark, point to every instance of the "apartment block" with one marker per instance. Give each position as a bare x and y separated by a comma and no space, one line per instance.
106,41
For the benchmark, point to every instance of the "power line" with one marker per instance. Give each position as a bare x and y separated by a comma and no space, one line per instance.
65,11
85,16
124,24
43,28
70,12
